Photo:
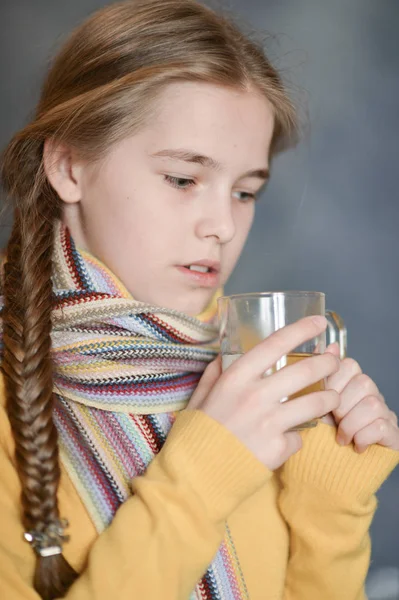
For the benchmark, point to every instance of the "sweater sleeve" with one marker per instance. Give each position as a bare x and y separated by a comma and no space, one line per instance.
328,501
163,538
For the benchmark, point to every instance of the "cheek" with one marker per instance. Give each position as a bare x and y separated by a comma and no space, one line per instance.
232,251
244,220
120,226
123,204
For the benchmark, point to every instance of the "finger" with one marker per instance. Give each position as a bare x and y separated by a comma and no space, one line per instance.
306,408
265,354
297,377
294,443
365,412
356,390
210,376
380,432
334,349
393,417
318,347
328,419
349,368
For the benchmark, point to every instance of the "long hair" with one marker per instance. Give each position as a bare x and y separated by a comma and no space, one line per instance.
100,88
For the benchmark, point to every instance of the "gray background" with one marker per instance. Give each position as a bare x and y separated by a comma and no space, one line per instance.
329,218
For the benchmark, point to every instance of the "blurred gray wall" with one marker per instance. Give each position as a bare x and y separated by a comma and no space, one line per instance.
329,218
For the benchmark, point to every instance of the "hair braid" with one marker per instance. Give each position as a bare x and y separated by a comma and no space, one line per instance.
27,369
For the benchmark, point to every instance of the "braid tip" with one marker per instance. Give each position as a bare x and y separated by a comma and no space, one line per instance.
48,542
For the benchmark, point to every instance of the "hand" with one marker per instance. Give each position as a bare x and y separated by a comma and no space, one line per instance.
249,404
362,416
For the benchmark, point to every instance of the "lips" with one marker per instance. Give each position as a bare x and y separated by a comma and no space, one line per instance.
204,266
202,273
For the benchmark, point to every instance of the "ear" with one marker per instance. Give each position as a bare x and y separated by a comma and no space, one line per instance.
63,170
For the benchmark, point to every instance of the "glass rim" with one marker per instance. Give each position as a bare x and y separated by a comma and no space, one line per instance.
284,293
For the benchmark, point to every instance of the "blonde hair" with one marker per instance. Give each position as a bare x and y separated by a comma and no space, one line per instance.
100,88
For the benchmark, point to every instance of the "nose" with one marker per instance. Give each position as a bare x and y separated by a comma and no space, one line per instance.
217,220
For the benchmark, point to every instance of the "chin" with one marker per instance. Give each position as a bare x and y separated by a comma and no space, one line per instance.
191,303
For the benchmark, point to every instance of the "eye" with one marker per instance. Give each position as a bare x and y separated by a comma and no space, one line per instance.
180,183
246,196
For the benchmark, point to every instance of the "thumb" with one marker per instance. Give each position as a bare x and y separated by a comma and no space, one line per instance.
206,383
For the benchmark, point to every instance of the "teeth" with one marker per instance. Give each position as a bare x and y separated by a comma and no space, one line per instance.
199,268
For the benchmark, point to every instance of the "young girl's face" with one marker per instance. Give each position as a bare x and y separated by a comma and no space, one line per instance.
180,193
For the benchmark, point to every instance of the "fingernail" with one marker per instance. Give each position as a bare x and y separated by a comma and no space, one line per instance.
340,440
319,320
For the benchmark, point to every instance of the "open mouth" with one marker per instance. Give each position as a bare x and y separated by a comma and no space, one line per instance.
200,269
202,275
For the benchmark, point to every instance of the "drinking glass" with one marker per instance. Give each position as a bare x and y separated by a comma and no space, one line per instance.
247,319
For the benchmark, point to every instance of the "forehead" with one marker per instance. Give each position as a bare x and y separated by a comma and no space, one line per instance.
218,121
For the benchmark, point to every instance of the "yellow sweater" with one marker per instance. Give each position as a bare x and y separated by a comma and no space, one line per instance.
301,533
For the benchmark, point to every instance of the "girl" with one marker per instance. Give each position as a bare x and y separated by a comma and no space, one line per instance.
134,191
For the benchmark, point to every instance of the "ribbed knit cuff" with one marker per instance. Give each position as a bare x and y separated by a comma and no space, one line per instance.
213,461
339,470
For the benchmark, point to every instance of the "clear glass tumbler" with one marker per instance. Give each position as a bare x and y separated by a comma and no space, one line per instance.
247,319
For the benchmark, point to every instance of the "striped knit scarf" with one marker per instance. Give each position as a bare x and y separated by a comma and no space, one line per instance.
122,370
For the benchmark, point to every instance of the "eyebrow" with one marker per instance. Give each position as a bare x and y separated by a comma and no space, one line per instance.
206,161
